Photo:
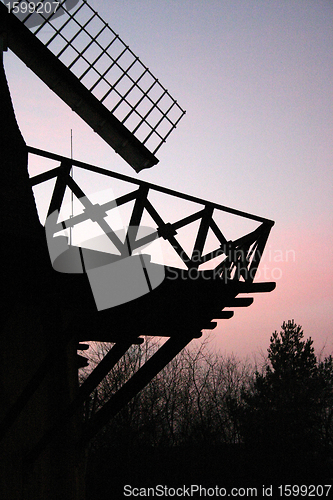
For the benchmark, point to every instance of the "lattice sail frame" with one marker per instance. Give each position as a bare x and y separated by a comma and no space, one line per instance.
108,69
239,258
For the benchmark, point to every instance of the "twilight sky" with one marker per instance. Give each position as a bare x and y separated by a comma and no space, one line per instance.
255,78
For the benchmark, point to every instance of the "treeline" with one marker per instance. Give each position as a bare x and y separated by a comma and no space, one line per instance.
209,417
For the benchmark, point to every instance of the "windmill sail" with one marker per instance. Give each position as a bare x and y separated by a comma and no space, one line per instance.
90,68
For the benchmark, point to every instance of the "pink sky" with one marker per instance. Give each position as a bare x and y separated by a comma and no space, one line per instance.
256,81
304,292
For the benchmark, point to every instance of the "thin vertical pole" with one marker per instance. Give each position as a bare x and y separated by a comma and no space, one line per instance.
72,196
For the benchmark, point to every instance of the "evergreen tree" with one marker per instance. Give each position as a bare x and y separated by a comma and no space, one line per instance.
325,369
281,411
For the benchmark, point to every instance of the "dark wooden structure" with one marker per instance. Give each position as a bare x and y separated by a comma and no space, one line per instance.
38,370
46,314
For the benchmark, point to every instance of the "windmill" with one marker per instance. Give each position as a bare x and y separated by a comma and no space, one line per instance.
60,293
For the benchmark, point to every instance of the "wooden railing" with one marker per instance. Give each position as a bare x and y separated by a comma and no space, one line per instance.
238,259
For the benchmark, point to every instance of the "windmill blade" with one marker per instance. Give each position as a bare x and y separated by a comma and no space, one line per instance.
79,57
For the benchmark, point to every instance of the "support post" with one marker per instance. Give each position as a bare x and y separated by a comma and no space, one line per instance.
30,327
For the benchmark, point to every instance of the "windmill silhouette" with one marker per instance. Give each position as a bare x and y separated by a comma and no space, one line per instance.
59,294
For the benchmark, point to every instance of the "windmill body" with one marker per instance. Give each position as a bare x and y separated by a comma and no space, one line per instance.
52,287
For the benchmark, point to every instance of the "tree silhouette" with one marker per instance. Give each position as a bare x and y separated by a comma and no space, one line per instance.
290,355
213,417
282,413
325,373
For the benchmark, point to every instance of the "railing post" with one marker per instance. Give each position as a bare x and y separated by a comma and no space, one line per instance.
202,236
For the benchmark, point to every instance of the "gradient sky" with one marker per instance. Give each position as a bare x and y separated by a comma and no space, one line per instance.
255,78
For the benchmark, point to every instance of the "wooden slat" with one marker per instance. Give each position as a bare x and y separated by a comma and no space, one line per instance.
210,326
223,315
256,287
240,302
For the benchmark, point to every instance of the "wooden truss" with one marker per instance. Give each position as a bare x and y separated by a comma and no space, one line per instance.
180,308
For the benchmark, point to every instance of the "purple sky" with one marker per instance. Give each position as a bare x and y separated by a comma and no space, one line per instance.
255,78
